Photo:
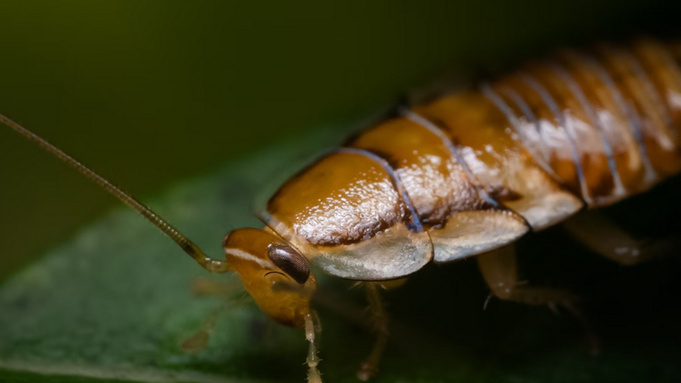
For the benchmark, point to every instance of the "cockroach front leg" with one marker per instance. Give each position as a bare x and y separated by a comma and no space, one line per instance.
208,288
380,323
204,287
312,327
199,340
500,271
603,236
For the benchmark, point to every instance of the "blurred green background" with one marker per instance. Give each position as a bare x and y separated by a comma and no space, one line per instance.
150,92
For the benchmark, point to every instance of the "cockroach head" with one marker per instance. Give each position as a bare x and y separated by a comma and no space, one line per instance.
275,274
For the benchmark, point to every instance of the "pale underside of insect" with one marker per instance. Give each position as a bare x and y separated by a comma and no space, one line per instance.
460,175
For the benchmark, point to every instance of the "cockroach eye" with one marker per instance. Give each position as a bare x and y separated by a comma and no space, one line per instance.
290,262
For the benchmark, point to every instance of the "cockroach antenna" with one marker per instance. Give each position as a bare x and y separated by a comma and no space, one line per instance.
208,263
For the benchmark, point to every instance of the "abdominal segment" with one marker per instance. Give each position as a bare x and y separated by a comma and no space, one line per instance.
475,170
459,215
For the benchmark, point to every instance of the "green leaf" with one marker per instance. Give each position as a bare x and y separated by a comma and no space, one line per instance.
115,302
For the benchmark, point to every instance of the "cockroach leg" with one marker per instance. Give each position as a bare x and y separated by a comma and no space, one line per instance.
312,327
603,236
199,340
500,271
379,323
499,268
205,287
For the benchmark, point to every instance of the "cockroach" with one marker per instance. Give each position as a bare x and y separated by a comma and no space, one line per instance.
462,174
